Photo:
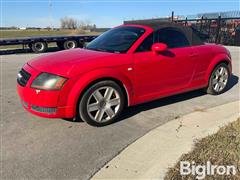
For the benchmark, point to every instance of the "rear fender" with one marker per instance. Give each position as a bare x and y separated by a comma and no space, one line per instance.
218,59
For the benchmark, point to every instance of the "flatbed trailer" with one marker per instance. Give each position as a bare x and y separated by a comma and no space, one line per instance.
40,44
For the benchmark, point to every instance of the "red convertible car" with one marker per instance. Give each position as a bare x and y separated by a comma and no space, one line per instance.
127,65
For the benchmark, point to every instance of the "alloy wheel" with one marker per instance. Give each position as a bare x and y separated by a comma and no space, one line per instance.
220,79
103,104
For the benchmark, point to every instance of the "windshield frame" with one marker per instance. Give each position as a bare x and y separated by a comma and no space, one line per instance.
142,28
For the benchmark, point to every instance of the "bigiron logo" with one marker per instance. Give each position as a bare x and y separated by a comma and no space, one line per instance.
187,168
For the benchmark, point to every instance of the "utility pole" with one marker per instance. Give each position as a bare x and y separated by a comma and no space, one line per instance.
50,14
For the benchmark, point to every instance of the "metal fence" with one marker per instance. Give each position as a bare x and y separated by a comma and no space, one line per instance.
221,30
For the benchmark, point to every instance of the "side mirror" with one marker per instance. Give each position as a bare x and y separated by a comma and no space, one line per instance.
159,47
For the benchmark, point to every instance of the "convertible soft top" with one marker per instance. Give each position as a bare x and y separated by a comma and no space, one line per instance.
193,36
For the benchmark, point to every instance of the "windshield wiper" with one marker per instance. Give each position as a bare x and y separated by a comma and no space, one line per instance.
103,50
107,50
100,49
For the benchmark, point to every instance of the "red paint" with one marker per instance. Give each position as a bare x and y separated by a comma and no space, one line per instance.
153,75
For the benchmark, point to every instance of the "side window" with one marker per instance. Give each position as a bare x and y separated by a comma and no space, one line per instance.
146,44
173,38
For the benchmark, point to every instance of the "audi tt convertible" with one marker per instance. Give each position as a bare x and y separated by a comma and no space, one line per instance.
125,66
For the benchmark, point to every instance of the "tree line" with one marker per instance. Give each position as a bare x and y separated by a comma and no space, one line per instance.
72,23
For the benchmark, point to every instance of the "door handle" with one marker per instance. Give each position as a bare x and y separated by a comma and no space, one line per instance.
193,54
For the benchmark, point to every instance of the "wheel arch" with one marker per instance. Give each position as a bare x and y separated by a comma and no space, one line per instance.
117,81
88,79
222,58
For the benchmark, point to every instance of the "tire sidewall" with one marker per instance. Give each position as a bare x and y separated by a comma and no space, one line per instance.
66,42
33,46
210,87
83,103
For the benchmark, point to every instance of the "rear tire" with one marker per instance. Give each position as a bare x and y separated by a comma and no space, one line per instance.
39,47
70,44
218,80
102,103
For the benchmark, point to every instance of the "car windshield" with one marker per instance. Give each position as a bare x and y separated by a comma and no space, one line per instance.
116,40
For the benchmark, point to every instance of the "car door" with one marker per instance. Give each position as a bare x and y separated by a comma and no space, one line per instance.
166,72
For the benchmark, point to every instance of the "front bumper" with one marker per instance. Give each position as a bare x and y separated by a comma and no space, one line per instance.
41,102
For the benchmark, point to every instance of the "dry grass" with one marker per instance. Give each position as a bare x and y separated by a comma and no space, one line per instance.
222,148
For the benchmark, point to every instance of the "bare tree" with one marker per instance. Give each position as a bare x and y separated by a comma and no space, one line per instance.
69,23
86,25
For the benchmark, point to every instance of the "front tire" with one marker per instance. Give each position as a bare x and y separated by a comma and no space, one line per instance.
102,103
218,80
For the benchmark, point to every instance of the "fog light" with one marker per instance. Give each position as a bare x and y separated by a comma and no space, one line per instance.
46,110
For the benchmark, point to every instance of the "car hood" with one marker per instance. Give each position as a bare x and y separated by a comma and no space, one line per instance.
72,62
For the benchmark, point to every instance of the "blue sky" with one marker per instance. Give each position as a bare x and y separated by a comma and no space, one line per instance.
103,13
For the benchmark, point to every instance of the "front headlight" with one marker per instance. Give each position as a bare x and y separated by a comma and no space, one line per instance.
48,81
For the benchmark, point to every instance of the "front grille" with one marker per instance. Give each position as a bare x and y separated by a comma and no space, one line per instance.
23,77
46,110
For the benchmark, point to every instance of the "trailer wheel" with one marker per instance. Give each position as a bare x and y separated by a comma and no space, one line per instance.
81,43
39,47
70,44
